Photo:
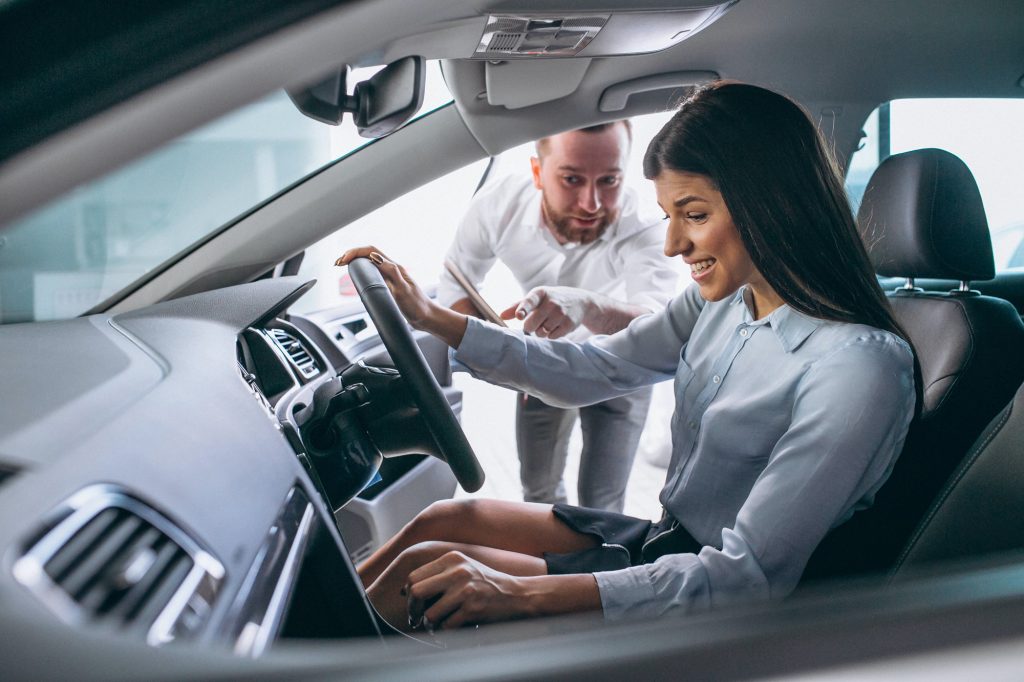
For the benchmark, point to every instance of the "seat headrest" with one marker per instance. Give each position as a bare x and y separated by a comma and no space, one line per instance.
922,216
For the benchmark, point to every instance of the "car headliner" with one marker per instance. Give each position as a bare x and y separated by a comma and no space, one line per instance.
832,55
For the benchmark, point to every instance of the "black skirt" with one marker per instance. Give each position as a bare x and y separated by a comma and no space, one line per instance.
625,540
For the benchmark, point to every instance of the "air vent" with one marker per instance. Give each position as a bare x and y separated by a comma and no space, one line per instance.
114,562
298,354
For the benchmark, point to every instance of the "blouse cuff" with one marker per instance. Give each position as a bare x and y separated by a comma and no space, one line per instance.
479,344
624,592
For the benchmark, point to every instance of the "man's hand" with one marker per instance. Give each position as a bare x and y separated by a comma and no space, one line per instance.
552,312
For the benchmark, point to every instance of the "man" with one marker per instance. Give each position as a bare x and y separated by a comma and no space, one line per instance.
588,263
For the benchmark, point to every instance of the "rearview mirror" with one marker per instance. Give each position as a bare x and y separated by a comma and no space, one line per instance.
379,106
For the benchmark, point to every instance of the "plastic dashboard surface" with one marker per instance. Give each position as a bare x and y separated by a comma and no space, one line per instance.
152,406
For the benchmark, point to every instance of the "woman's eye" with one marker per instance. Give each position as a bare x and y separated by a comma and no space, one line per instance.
697,217
665,216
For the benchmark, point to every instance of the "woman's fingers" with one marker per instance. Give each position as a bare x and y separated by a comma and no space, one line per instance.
438,590
444,598
371,252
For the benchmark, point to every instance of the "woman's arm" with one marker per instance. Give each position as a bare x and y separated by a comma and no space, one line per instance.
850,417
559,372
421,312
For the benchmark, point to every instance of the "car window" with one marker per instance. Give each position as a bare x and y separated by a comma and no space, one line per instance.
98,239
986,133
413,230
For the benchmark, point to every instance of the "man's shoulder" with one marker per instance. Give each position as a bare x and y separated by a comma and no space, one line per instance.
501,204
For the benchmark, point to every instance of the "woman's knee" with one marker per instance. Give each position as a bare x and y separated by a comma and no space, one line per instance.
421,553
437,521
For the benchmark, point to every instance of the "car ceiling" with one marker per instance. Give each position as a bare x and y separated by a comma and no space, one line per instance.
839,58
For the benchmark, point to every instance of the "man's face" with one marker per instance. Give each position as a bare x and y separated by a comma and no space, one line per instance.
580,179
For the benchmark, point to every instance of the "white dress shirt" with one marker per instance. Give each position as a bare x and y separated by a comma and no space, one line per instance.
783,428
504,222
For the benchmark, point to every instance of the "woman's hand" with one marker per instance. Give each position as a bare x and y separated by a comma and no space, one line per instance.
421,312
455,590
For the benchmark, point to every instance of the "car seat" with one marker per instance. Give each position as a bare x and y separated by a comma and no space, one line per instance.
977,513
922,216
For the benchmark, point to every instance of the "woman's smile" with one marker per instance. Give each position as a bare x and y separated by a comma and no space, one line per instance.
700,269
699,225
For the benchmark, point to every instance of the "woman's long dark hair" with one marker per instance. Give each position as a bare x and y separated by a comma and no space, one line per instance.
785,194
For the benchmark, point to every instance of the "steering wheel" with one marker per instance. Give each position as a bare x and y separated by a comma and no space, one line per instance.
426,393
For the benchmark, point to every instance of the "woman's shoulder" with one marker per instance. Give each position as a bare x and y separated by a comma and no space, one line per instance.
849,342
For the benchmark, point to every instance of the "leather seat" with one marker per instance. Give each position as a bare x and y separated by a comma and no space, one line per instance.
922,216
977,513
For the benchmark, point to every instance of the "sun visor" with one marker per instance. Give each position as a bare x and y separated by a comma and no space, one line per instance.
518,84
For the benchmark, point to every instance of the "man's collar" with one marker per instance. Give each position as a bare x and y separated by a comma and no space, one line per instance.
791,327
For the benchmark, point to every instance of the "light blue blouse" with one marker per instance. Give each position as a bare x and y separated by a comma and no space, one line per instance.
783,428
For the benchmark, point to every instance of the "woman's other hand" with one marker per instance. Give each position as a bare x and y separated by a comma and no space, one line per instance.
454,591
421,312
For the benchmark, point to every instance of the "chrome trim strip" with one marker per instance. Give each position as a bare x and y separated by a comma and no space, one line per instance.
257,614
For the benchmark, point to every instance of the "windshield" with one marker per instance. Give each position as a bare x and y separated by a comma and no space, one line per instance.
100,238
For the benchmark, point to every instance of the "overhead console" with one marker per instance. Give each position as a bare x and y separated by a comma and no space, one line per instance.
513,43
546,34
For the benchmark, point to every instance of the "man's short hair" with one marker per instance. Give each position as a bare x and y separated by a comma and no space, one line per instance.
542,143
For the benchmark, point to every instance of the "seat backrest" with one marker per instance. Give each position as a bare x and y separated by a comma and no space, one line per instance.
922,216
978,510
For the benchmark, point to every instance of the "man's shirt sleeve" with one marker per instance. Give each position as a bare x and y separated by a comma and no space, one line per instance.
651,277
472,249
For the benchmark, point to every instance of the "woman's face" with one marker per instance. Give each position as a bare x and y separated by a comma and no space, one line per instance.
701,231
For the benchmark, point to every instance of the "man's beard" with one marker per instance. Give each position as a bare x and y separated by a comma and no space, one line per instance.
561,225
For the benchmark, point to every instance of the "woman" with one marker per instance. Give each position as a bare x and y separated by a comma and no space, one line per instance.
793,381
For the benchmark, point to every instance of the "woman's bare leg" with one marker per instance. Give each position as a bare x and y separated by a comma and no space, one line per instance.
387,593
522,527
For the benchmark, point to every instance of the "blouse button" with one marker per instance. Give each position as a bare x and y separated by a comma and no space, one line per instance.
744,332
716,379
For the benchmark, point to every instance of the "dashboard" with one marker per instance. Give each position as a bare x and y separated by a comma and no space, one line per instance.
154,479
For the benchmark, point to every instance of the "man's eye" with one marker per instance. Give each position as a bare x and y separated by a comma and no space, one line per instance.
571,179
611,180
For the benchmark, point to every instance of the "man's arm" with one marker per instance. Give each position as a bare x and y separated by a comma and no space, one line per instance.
472,251
607,316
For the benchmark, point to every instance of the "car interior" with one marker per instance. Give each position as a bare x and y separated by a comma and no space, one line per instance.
193,461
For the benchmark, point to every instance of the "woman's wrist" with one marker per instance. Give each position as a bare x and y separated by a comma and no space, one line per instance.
551,595
444,323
